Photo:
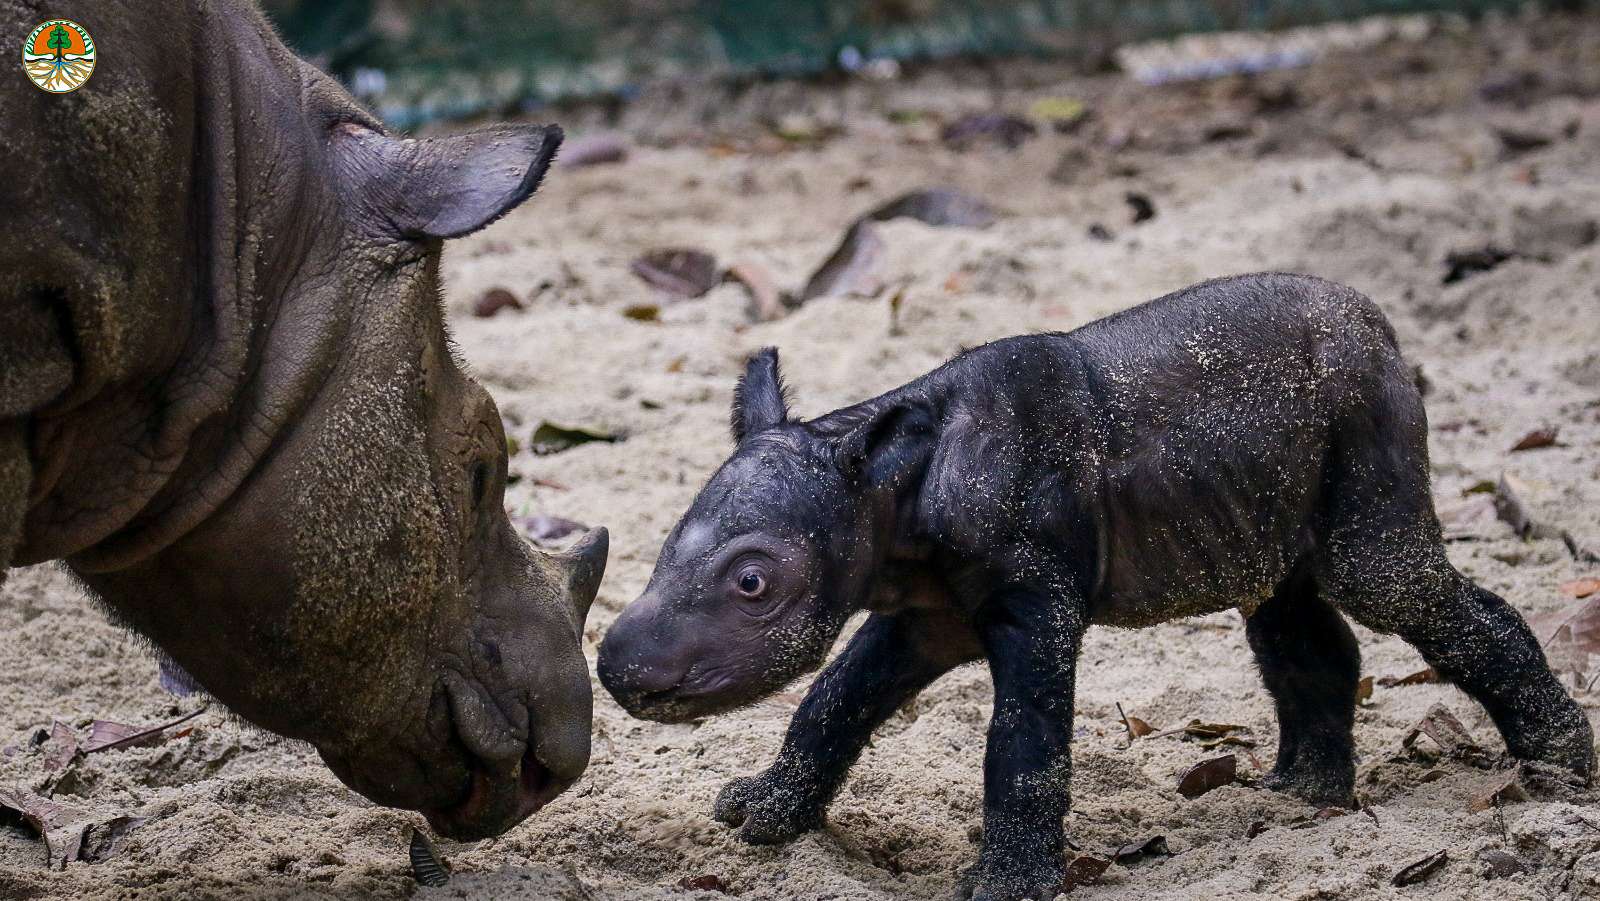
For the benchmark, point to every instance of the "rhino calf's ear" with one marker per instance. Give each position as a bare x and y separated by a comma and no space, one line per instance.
441,187
760,400
887,448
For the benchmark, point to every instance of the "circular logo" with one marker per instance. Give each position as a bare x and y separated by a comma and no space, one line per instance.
58,56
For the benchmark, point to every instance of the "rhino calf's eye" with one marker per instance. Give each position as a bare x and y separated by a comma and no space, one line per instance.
752,583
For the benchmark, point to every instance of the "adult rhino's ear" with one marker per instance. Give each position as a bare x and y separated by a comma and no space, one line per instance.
441,187
888,448
761,399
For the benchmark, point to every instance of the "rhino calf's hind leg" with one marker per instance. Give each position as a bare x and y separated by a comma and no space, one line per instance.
15,476
1310,663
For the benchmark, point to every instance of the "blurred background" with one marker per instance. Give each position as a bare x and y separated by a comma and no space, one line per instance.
421,60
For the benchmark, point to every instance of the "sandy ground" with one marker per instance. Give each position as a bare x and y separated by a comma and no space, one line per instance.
1368,169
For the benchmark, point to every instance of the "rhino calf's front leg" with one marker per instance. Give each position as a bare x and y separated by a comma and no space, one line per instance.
891,659
1031,637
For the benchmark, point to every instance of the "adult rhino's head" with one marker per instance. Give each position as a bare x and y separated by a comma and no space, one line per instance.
339,566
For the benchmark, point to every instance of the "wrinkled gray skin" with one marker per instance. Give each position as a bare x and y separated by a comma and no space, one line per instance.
229,403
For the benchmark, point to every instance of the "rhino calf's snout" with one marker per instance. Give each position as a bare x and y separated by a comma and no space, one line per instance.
636,666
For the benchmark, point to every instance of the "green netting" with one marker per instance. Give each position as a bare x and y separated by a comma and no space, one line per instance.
422,59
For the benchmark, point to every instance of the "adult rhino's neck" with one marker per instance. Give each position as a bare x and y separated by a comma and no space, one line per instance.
140,451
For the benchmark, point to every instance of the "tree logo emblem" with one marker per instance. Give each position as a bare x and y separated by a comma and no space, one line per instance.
58,56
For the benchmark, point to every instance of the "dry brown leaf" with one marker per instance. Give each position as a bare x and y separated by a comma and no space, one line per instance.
1427,676
940,207
1133,852
62,746
682,272
545,529
1579,588
643,312
1575,628
707,883
1085,869
852,268
1209,774
1416,871
1504,790
105,735
766,302
61,826
1364,690
493,301
1448,733
1545,437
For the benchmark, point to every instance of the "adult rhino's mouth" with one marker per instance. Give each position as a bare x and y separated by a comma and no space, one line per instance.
494,803
508,781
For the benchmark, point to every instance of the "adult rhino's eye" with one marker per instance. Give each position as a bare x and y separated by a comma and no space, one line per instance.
752,584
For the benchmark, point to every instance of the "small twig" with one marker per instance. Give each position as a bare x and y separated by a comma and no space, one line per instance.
1125,724
137,737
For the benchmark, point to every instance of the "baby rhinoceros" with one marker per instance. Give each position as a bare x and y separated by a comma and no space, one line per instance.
1252,442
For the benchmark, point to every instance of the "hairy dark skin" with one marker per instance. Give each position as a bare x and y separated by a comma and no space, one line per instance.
1253,442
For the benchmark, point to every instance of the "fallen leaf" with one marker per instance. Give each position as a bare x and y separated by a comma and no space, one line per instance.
680,272
551,438
493,301
766,303
1195,730
1576,628
593,150
62,745
1579,588
1536,439
103,841
1005,130
643,312
426,867
105,735
1499,864
1461,265
1085,869
940,207
1504,790
1133,852
851,268
708,883
1143,209
1061,113
545,529
1416,871
60,826
1447,732
1322,816
1364,690
1209,774
1427,676
1518,141
1137,728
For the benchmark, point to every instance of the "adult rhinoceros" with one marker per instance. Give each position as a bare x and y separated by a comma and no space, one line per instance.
228,403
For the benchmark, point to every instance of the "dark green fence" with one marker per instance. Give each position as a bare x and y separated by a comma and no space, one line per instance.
422,59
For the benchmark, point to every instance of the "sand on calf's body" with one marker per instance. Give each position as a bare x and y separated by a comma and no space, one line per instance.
1381,170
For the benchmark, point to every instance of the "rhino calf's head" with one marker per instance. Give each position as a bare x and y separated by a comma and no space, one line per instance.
756,581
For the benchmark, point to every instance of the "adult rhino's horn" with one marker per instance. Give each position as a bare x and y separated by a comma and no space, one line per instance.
585,564
440,187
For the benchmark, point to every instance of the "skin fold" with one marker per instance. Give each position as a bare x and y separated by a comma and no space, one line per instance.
1253,442
229,403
